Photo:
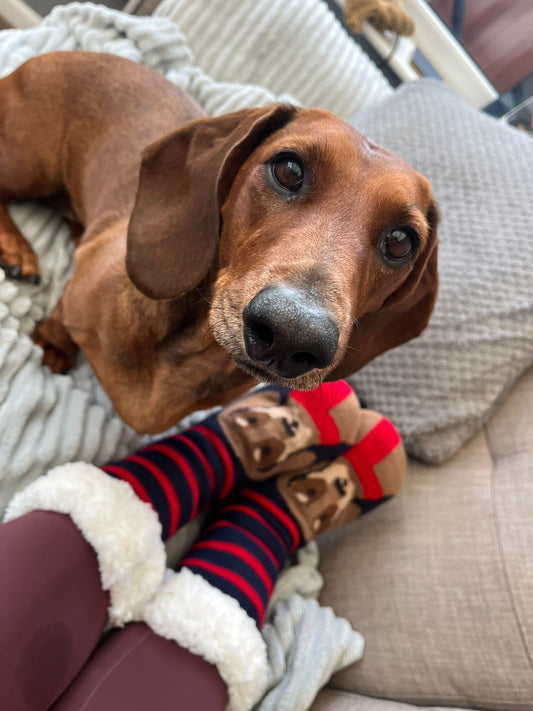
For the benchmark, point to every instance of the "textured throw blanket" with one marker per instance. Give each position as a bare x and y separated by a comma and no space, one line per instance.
48,419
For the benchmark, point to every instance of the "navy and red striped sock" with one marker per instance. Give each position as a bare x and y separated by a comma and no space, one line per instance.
266,433
181,475
243,550
287,465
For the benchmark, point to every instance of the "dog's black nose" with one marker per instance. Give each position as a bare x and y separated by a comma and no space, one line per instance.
288,332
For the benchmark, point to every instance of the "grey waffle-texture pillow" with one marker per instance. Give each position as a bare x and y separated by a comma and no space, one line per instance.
440,388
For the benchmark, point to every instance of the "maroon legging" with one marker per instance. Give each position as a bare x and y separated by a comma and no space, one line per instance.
52,615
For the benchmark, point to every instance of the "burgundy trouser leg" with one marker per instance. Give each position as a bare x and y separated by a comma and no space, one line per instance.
135,669
52,608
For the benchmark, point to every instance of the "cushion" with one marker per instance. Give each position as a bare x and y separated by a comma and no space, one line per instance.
439,580
440,388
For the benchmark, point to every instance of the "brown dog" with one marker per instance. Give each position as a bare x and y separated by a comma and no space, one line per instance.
274,243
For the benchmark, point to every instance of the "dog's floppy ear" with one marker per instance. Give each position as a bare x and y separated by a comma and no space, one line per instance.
403,315
184,179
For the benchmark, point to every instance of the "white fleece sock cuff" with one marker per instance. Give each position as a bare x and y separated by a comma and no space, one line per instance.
211,624
123,530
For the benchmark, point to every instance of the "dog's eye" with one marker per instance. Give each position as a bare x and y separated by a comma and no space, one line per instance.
288,172
399,245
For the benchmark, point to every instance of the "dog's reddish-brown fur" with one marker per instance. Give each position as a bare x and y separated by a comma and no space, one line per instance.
182,228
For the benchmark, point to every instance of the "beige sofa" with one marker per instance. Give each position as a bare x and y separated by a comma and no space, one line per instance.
440,580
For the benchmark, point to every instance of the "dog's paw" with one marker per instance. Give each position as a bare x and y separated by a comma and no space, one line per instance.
17,258
14,271
60,358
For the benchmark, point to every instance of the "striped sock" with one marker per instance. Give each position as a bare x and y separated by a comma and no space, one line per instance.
242,552
246,546
180,476
268,432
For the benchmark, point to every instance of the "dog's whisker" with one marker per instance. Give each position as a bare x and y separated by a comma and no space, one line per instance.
195,303
242,275
206,333
203,297
353,349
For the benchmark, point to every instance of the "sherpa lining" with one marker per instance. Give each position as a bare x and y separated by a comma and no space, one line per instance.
123,530
207,622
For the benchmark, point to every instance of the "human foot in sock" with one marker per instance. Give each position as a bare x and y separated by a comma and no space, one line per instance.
247,544
269,432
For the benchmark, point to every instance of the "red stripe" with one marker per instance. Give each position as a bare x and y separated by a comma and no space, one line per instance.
229,471
240,583
170,492
239,552
185,469
203,459
240,508
281,516
127,476
266,550
372,449
318,404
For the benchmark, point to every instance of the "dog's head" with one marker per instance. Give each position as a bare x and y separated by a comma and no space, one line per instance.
269,436
321,499
320,246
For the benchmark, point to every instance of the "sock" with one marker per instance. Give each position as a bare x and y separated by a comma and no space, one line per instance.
243,550
269,432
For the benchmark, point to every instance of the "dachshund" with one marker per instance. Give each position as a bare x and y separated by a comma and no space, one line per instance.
272,244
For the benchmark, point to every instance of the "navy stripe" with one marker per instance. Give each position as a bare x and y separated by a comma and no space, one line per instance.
228,534
153,489
176,479
250,523
269,489
241,477
202,477
243,540
233,562
210,453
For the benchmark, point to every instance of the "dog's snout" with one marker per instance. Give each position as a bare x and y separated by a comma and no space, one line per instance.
286,330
